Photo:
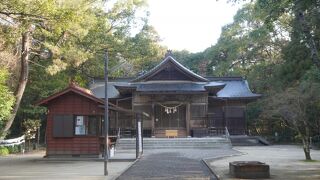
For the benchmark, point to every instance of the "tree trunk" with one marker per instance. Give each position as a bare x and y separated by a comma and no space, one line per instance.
24,73
306,148
310,41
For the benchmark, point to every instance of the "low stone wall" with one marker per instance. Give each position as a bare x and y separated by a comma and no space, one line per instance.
249,169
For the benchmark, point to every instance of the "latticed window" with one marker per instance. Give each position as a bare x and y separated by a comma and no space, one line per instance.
198,111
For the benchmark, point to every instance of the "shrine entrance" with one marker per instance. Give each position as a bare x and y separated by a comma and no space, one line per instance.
170,116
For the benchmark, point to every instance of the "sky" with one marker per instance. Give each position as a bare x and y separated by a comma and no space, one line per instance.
192,25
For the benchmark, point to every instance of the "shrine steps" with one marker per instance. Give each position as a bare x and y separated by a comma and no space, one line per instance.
176,143
244,140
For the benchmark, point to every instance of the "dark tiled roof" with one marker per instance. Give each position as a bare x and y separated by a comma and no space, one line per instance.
97,88
236,89
227,78
232,88
171,87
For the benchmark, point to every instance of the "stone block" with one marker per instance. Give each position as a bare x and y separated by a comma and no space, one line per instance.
249,169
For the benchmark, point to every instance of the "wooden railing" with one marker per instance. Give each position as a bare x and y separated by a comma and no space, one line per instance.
209,132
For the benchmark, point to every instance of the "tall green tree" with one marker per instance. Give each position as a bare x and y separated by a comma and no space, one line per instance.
59,31
6,98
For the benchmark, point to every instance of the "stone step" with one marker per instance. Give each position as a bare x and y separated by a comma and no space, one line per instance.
248,141
165,143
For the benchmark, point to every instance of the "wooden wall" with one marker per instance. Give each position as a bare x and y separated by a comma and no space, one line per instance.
228,113
125,120
72,104
198,110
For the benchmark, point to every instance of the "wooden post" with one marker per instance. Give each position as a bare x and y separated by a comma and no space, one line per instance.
106,115
188,119
38,138
117,117
152,121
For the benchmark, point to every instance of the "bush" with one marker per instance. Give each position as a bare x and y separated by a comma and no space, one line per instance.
3,151
14,149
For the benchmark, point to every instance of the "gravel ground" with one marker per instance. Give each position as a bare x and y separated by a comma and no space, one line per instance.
33,167
286,162
174,164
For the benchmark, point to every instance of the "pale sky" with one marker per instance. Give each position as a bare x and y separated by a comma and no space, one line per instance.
193,25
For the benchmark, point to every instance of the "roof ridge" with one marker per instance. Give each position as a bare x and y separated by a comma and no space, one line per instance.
225,78
169,58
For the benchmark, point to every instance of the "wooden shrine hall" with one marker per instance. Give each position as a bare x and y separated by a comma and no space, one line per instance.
177,102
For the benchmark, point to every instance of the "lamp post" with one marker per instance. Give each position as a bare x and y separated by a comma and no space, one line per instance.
106,114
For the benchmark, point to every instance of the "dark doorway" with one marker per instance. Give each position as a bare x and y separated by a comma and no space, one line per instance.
173,120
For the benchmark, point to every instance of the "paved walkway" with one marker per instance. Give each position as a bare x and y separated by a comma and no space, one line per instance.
173,164
286,162
33,166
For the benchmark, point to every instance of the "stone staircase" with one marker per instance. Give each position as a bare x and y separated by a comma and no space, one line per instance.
243,140
175,143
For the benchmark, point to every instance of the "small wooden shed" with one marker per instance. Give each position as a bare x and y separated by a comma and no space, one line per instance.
74,122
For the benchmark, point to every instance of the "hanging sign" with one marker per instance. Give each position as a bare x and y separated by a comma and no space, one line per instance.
79,121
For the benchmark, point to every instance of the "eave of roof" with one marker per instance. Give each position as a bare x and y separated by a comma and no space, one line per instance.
245,99
235,88
72,88
177,64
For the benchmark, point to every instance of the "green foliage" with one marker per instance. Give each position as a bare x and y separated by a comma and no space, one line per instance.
3,151
31,126
270,45
68,40
6,97
14,149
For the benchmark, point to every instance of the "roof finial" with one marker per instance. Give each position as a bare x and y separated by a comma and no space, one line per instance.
168,53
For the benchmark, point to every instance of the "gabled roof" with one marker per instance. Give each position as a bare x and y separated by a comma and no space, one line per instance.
169,60
82,92
72,88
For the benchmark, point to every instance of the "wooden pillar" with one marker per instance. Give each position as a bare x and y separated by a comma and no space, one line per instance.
188,119
117,117
152,120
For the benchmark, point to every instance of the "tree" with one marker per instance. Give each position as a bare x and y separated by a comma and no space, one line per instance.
305,14
26,20
247,42
58,31
6,99
291,106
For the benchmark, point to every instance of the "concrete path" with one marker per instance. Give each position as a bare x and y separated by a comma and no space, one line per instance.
33,166
174,164
286,162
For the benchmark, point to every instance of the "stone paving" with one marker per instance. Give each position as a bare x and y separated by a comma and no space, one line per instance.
174,164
